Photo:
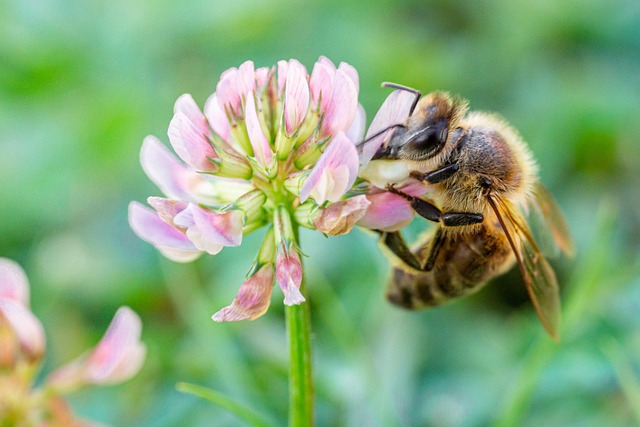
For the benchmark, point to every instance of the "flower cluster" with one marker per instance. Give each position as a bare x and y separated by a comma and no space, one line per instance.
116,358
273,147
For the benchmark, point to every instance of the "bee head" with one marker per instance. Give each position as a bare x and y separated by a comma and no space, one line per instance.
427,130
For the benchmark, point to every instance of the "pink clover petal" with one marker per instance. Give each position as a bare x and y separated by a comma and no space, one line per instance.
262,77
228,94
340,217
253,297
283,68
217,118
172,177
166,238
119,354
289,276
334,172
211,231
14,285
187,106
321,84
394,110
327,62
116,358
190,143
296,98
259,142
26,327
167,209
341,109
387,212
246,78
352,73
356,131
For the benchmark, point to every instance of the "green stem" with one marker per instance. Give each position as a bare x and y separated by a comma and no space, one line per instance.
298,319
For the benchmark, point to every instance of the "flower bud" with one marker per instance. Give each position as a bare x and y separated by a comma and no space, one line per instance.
340,217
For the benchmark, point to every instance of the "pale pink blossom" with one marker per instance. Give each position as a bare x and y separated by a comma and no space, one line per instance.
340,217
171,242
172,177
356,131
14,310
217,118
394,110
186,105
189,135
211,231
268,140
387,212
25,326
341,108
259,142
14,284
296,96
253,298
117,357
289,275
334,173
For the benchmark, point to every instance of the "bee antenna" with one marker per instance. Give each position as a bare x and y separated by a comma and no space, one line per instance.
377,134
416,92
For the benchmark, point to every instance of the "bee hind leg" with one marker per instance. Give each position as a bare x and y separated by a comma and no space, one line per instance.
395,243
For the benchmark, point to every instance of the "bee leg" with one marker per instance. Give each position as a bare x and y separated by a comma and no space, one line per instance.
438,240
394,242
437,175
429,211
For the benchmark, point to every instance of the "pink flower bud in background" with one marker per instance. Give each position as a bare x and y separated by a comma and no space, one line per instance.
117,357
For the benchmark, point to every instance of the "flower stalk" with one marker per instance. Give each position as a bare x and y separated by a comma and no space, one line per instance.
301,392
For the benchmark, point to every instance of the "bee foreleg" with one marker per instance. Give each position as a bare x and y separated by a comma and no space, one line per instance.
429,211
437,175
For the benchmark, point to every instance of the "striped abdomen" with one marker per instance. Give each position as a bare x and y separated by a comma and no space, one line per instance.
466,261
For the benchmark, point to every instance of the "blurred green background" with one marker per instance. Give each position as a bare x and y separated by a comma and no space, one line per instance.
81,84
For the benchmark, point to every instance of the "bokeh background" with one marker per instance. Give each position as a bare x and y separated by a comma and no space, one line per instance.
81,84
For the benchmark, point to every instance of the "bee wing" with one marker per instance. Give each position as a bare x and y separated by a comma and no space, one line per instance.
552,219
538,275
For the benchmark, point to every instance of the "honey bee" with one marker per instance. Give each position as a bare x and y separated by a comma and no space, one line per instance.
480,179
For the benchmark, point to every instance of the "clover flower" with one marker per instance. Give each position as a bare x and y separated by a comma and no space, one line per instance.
117,357
273,147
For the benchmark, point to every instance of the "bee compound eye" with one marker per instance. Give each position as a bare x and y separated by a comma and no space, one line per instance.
430,140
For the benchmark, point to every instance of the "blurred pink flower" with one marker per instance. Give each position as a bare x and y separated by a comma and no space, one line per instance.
28,335
268,140
117,357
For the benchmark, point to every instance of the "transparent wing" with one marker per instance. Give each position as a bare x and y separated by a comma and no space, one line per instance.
551,219
538,275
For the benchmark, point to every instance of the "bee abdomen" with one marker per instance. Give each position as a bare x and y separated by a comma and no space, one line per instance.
413,290
463,265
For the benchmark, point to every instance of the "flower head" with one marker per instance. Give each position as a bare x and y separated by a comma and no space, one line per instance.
117,357
274,147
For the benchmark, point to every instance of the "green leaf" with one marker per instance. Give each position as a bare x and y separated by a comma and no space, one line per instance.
240,410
